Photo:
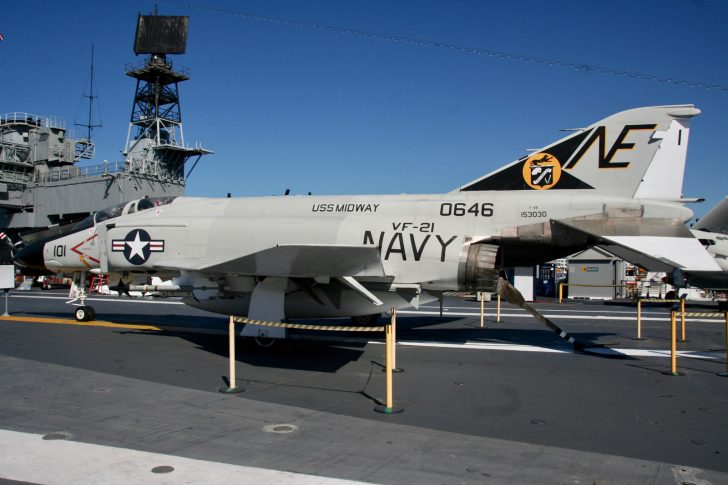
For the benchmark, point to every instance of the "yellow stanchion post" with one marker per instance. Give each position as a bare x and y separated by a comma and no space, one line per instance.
393,324
231,350
673,344
389,408
394,342
725,374
639,319
231,388
393,350
682,318
388,364
498,312
482,309
561,293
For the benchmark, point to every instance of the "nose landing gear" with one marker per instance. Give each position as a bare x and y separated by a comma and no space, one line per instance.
84,313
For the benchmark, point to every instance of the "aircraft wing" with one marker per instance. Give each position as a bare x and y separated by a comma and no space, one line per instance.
660,245
709,280
298,261
716,220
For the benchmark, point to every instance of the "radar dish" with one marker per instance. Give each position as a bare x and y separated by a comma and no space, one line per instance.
161,34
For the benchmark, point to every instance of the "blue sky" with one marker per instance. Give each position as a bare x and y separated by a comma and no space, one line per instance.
286,106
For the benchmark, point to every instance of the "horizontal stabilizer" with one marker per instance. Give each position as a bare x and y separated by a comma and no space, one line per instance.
656,245
662,253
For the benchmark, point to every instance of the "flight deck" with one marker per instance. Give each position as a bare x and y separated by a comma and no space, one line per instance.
511,402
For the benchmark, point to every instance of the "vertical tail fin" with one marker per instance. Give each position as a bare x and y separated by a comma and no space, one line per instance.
636,153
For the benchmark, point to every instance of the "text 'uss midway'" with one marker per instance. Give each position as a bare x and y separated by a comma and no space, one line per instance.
350,207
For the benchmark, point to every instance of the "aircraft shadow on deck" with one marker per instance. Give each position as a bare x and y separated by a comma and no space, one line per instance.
308,355
305,349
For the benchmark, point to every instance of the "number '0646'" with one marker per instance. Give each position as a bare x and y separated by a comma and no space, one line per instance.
482,209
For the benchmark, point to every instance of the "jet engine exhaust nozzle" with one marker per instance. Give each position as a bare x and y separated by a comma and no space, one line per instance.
477,270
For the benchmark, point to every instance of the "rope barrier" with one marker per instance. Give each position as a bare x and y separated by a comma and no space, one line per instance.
389,337
660,300
302,326
706,315
673,340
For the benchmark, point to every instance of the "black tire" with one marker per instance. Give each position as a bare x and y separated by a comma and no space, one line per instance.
84,314
81,314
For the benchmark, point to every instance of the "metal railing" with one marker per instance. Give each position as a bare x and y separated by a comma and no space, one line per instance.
167,63
57,175
34,120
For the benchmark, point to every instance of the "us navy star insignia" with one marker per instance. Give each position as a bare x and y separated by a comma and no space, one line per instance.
137,246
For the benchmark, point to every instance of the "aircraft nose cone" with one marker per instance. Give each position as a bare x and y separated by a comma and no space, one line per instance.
31,256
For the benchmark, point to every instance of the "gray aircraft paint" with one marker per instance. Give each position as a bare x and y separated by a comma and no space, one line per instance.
406,249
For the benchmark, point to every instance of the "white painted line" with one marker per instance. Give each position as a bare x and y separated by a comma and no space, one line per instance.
690,354
29,458
607,315
482,346
469,345
110,299
504,310
561,317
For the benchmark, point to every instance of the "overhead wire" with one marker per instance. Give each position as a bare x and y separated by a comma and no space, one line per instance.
479,51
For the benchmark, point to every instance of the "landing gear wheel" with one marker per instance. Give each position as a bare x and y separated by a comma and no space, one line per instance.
366,320
84,314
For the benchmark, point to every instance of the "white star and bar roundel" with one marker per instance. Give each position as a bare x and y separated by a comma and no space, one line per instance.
137,246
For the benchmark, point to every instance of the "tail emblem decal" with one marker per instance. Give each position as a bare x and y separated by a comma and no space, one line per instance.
541,171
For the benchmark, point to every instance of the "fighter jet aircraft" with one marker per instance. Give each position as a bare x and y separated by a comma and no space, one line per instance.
712,232
616,183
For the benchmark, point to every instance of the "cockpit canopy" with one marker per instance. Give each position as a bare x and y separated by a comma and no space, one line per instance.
122,210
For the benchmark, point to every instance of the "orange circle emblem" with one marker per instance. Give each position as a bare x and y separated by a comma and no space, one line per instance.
541,171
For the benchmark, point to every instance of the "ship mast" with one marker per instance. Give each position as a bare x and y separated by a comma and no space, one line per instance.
88,148
89,125
155,140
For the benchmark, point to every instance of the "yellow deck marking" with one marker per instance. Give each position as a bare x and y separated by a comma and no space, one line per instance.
66,321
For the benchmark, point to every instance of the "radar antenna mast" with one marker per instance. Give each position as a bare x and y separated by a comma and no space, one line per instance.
85,147
155,142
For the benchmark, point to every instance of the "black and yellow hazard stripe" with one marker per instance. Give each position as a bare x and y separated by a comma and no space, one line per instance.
302,326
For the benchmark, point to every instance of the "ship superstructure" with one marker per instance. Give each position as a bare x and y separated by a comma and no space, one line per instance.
40,182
